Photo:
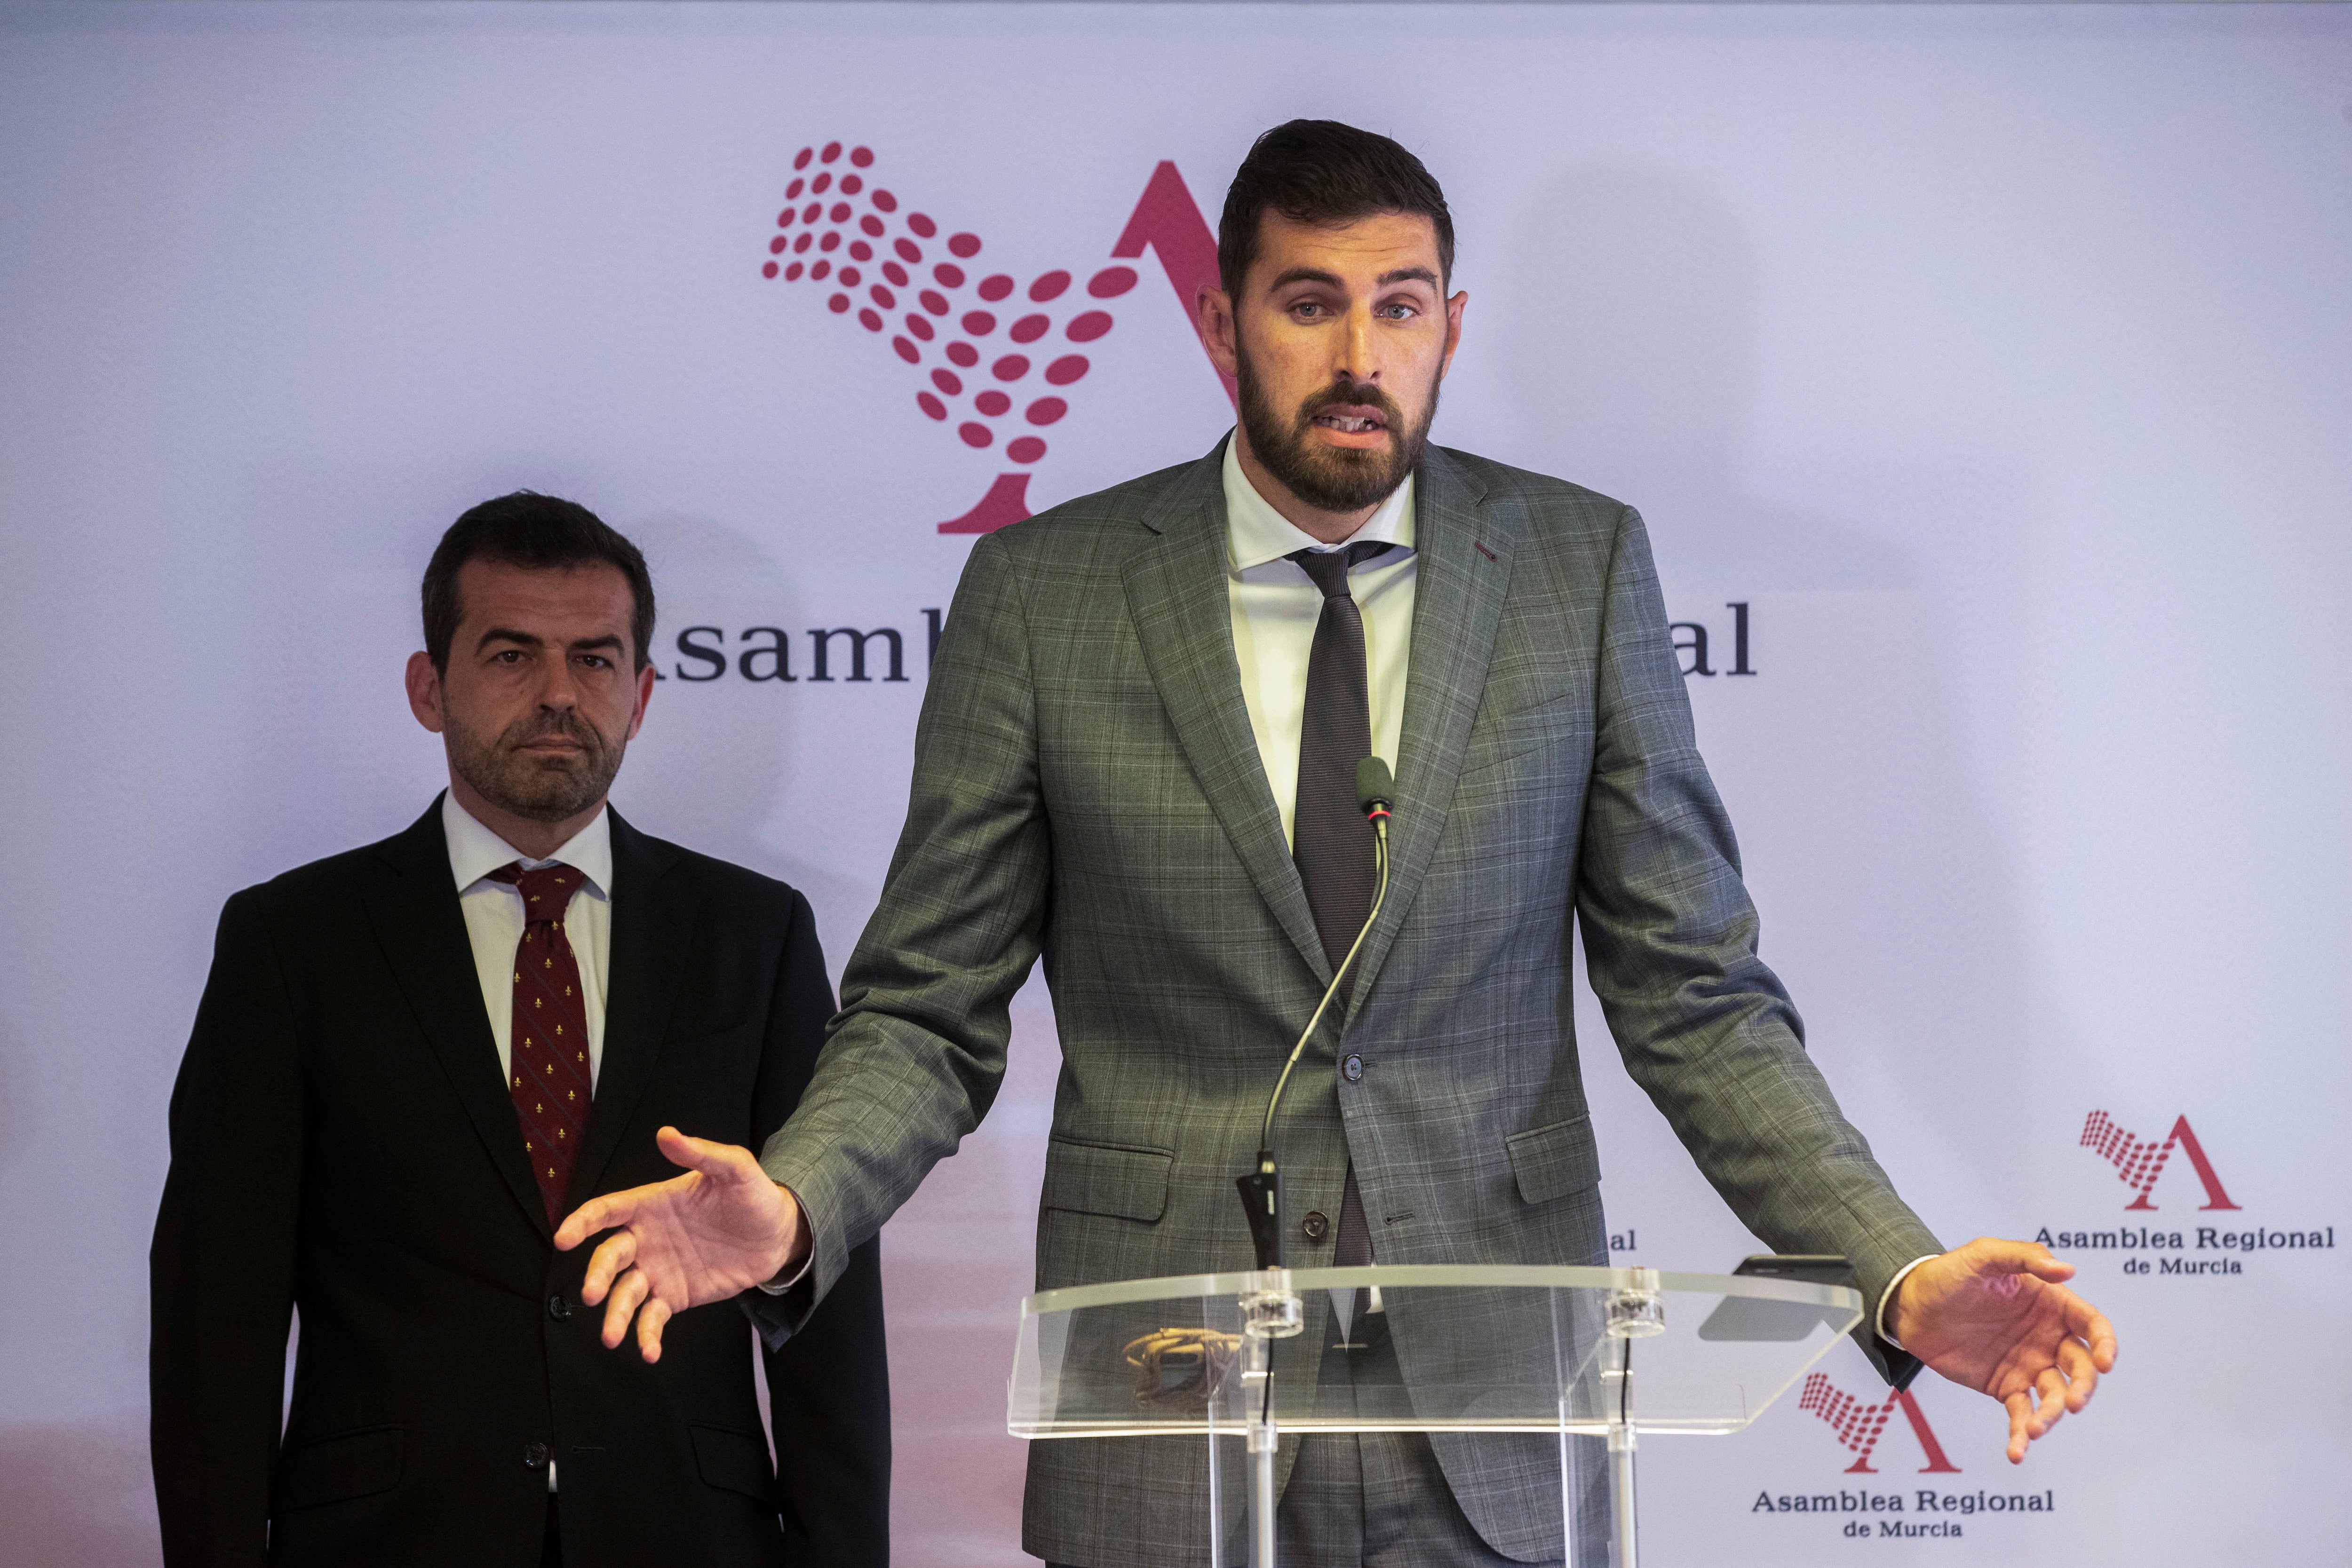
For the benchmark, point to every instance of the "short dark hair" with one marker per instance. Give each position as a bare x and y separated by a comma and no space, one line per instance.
1321,171
528,529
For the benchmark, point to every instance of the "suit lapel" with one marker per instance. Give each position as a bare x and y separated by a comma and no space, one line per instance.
422,933
1182,612
1465,551
654,918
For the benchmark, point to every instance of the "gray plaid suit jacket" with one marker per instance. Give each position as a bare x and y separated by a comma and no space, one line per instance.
1086,789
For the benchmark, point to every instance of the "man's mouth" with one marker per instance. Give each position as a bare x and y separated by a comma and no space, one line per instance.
1350,418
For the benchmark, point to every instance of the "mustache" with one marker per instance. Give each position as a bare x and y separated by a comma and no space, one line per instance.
1342,394
541,726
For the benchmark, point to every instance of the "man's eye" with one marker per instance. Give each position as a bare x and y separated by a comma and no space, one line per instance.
1307,308
508,655
594,661
1398,312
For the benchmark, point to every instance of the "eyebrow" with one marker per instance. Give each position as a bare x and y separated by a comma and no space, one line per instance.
1305,275
528,640
1333,280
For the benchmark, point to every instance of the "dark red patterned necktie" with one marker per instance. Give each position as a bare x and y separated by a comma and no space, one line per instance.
547,1036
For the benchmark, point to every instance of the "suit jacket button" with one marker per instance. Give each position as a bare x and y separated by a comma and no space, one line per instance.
558,1308
534,1455
1315,1224
1352,1069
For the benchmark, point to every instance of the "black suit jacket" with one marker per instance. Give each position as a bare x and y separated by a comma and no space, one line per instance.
343,1145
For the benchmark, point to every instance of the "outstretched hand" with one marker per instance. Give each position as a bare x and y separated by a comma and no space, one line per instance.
712,1233
1995,1316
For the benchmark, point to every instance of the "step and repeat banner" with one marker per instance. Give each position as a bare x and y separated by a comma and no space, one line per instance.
1982,373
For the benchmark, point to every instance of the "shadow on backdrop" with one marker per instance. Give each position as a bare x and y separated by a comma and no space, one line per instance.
1647,384
1911,883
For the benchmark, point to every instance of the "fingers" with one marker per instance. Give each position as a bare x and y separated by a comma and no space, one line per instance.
2087,1323
2082,1374
2091,1326
632,1290
649,1327
2064,1385
596,1214
2026,1421
2020,1258
726,1162
2020,1425
2050,1398
605,1265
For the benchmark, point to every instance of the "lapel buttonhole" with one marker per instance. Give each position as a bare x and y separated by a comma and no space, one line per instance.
1490,555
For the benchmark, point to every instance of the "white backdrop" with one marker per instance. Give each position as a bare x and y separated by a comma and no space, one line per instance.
1995,359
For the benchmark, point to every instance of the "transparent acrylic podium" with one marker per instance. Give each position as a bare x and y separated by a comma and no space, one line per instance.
1563,1352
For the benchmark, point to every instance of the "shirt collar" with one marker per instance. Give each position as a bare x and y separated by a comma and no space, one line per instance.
1255,533
475,852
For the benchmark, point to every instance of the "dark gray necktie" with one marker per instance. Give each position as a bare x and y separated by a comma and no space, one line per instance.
1330,840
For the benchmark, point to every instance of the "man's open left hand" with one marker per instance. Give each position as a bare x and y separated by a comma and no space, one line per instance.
1995,1316
712,1233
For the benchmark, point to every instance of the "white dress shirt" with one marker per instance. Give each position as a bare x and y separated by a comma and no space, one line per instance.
494,923
494,919
1276,606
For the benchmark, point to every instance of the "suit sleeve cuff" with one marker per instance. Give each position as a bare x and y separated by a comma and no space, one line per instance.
1885,1298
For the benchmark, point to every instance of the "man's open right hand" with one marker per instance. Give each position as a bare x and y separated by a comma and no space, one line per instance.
712,1233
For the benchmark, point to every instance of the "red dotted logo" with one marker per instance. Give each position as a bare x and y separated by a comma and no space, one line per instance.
2139,1161
991,358
1859,1426
985,347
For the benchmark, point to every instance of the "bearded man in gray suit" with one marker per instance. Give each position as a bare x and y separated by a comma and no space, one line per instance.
1135,757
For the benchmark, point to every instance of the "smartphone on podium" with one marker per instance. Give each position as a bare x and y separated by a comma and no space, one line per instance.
1747,1318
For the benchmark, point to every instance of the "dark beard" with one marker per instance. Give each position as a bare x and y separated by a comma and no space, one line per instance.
534,789
1332,480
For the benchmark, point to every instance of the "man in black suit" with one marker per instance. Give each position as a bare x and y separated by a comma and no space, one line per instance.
412,1061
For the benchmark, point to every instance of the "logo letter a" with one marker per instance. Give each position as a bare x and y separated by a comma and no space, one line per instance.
1938,1464
2215,1197
1167,219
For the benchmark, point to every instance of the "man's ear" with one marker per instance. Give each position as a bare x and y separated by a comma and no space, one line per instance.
425,691
1454,309
645,678
1213,317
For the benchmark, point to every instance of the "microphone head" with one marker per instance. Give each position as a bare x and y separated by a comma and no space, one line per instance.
1375,785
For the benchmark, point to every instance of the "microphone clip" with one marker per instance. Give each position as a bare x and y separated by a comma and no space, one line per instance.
1262,1202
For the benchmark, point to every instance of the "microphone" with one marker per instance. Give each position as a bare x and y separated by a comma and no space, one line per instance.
1262,1190
1374,785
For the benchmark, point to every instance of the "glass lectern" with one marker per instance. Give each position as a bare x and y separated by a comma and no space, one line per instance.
1564,1352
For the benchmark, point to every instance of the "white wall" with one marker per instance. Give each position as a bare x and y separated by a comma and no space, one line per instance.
1996,358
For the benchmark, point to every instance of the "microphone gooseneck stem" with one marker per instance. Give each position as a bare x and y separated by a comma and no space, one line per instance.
1339,977
1261,1190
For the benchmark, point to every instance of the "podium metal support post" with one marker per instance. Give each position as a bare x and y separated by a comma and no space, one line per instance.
1621,1546
1635,1311
1271,1311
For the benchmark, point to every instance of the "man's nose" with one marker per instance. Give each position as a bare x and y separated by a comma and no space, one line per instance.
1356,348
556,687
